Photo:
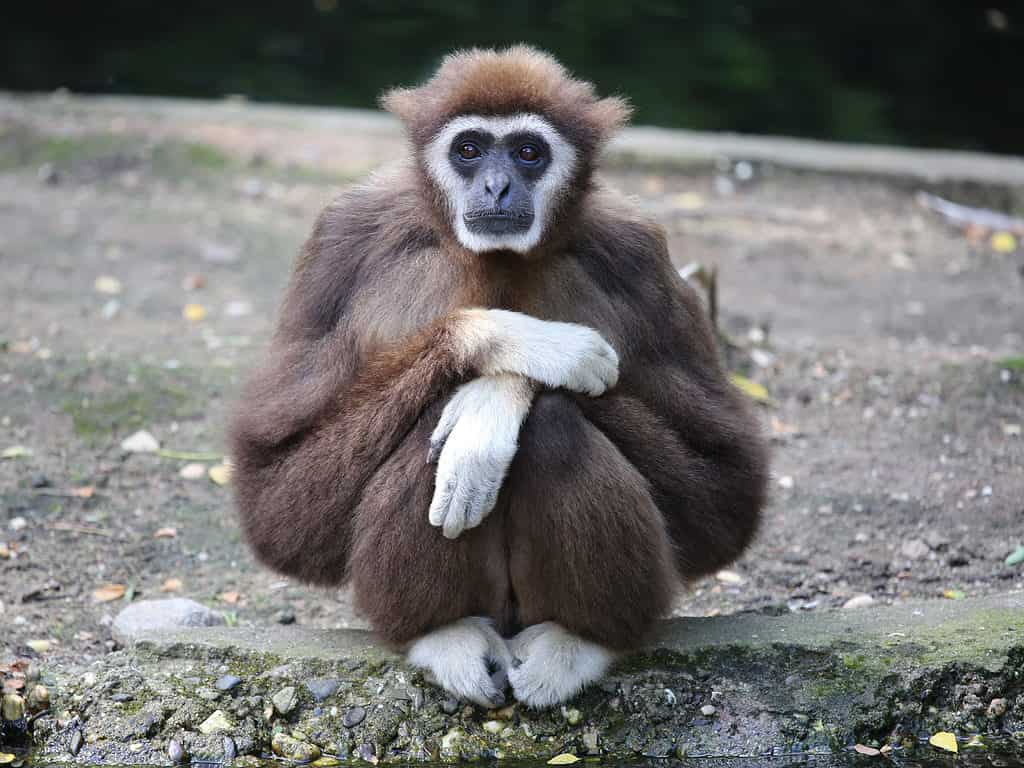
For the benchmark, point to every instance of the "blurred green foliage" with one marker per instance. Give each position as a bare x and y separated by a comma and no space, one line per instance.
922,72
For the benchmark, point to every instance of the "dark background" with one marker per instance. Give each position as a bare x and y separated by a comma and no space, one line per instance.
932,73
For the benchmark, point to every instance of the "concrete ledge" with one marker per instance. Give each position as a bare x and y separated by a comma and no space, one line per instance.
645,145
728,686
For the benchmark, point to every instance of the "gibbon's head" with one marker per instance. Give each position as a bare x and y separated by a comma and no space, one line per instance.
507,140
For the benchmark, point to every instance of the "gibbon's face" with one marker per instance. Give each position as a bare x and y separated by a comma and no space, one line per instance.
502,177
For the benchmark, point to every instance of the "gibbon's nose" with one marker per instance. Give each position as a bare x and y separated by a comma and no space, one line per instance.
497,185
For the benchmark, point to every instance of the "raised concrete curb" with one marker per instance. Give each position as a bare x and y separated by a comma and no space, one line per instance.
648,145
728,686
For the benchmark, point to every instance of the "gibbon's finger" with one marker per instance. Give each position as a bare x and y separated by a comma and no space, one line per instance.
442,497
455,513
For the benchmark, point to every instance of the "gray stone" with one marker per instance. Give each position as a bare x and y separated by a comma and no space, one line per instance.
175,751
227,682
354,717
230,750
915,549
215,723
150,617
285,700
76,742
321,688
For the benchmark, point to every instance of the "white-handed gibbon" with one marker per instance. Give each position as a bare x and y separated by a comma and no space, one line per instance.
491,404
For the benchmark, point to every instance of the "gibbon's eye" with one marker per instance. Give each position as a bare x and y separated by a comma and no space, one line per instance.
529,153
469,151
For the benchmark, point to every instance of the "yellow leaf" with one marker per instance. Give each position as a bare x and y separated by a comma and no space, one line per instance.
194,312
566,758
6,758
39,646
171,585
108,592
944,740
953,594
220,473
107,284
1003,242
688,201
751,388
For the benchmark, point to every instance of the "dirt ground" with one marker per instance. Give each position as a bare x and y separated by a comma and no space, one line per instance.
891,345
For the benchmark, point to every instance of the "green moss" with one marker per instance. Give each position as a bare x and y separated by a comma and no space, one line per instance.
1012,363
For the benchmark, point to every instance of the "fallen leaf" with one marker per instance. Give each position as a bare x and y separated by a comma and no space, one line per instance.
165,533
231,598
171,585
193,312
1003,242
6,758
954,594
566,758
107,284
751,388
1016,557
85,492
688,201
220,473
108,593
865,750
944,740
39,646
886,749
976,743
16,452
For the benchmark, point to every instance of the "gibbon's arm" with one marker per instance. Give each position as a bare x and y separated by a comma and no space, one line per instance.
318,420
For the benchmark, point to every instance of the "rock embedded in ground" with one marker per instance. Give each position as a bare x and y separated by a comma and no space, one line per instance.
354,717
140,442
216,723
859,601
227,682
321,688
285,700
148,617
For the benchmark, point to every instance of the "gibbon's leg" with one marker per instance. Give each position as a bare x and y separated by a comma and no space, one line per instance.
468,658
407,578
589,556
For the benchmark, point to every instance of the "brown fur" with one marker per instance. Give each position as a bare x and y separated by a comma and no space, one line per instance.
609,501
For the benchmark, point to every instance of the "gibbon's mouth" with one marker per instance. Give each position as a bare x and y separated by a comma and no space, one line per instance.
497,222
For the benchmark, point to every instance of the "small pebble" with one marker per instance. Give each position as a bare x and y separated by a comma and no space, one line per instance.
38,699
996,708
227,682
13,707
450,706
493,726
175,751
140,442
192,471
76,742
858,601
708,710
285,700
230,750
121,698
355,716
40,481
367,752
285,616
321,688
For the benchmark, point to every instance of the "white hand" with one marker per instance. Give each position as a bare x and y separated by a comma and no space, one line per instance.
565,355
474,443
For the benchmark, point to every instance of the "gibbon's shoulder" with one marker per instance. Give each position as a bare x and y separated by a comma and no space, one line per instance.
362,236
617,237
380,217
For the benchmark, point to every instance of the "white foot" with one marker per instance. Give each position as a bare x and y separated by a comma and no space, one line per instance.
554,665
456,657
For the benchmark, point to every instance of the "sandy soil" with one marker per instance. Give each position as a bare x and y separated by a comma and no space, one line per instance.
890,344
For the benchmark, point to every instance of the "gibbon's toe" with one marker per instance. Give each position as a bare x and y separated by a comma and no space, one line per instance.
554,665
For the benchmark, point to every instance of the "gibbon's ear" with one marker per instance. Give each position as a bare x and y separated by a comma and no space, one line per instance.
400,102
